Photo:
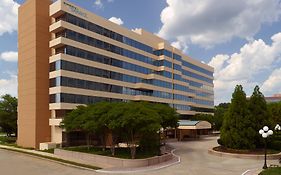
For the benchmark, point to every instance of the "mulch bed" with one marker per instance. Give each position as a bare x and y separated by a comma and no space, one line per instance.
253,152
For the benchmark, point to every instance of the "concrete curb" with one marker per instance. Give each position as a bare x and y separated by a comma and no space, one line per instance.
244,156
143,169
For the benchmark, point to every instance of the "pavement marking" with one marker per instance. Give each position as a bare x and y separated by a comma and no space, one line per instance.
245,172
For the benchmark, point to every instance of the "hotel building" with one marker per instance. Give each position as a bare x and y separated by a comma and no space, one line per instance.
69,56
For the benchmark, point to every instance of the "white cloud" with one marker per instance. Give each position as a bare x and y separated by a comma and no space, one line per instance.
99,3
245,67
9,56
273,84
9,86
9,16
210,22
116,20
180,45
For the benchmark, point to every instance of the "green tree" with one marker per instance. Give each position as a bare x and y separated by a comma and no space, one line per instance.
259,115
169,116
8,114
74,121
235,131
274,110
137,120
219,113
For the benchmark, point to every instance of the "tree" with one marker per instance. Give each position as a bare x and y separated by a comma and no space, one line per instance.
235,131
274,110
259,115
137,120
73,120
8,114
169,116
220,111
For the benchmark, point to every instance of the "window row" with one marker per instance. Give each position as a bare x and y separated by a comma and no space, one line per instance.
103,31
104,45
97,86
102,59
196,76
74,67
197,68
78,99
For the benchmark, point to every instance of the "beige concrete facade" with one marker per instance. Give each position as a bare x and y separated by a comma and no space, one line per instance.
33,70
40,25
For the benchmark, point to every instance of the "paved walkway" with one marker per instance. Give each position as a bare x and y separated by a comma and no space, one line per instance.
195,160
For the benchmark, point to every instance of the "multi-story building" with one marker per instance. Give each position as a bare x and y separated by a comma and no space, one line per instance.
275,98
69,56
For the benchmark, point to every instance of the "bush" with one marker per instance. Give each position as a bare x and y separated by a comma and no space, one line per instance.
276,145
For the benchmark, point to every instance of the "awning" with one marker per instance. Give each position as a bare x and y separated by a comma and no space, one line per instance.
188,124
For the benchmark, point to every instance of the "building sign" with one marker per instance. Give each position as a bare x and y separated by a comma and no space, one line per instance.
75,10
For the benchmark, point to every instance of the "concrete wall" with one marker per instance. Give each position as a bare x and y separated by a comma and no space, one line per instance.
110,162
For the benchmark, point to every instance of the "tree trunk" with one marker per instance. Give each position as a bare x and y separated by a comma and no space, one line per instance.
88,141
133,151
133,146
113,145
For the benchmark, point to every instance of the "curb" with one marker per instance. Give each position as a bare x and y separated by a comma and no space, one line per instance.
244,156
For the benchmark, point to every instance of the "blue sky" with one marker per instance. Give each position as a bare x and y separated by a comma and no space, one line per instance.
240,39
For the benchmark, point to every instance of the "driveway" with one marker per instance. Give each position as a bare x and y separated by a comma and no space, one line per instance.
195,160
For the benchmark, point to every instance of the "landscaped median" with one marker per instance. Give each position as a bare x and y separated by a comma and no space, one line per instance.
112,162
273,156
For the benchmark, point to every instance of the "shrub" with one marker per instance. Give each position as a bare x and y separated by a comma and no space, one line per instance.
276,145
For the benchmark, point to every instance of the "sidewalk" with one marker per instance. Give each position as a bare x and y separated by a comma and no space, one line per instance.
114,170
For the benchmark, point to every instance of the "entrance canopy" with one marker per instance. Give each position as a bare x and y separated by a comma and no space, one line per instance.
188,124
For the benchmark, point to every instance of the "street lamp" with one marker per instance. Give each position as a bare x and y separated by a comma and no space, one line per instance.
265,132
277,127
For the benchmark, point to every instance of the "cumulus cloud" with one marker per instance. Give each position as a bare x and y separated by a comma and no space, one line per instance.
210,22
99,3
9,16
273,84
115,20
9,56
252,61
9,85
180,45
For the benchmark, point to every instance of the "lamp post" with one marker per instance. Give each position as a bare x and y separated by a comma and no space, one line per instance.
265,132
277,127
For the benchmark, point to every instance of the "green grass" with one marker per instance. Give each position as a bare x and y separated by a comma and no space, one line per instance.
9,141
271,171
119,152
52,151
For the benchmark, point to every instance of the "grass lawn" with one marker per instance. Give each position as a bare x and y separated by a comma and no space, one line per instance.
119,152
9,141
271,171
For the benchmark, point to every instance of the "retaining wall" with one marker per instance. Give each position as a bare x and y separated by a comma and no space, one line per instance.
110,162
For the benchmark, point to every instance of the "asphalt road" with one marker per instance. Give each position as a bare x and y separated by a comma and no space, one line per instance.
195,160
